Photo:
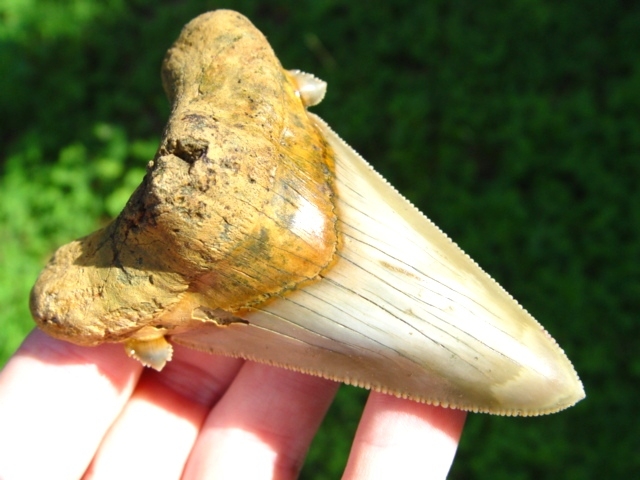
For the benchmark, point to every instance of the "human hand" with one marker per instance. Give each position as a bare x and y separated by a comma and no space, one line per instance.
76,412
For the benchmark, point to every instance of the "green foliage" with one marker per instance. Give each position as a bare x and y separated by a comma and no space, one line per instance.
44,204
514,126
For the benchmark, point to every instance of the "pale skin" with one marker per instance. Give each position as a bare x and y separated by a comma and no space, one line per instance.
90,412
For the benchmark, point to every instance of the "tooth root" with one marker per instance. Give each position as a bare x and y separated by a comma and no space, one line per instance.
404,311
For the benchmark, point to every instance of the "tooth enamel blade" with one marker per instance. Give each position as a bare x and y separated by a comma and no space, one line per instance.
403,311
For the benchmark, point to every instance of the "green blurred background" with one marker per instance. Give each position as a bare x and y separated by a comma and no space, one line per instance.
514,125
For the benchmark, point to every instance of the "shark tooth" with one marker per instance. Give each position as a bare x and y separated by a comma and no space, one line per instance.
259,233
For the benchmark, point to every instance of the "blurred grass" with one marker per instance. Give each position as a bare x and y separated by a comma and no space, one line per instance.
514,126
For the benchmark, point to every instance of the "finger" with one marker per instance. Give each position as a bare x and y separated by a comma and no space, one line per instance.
262,427
57,400
399,438
156,431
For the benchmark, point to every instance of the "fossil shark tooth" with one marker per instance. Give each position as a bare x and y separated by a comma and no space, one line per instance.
257,232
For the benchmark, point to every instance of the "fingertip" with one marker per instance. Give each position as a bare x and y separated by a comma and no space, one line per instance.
399,437
109,358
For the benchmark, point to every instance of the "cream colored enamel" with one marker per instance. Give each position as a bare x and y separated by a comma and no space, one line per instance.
150,352
405,311
310,89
